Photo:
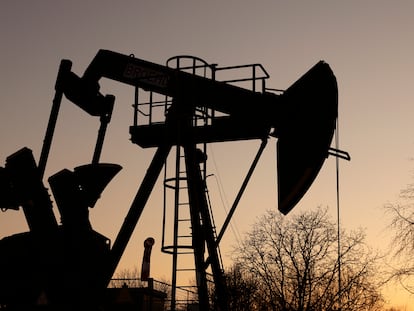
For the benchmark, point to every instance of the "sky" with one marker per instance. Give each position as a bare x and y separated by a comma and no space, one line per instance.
368,44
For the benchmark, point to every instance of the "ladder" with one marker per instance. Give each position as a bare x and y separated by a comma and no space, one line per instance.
183,247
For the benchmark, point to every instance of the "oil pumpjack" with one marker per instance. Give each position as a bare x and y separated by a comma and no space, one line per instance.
52,258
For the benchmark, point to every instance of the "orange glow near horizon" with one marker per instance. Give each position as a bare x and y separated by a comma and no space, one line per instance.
368,45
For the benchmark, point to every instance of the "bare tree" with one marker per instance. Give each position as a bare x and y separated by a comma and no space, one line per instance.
395,309
126,277
295,260
242,290
402,225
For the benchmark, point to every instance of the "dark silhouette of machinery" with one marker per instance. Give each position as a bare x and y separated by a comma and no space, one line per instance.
51,259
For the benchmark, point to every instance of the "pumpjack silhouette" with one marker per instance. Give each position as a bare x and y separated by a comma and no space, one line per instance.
70,263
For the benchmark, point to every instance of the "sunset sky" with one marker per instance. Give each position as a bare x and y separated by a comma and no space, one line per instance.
368,44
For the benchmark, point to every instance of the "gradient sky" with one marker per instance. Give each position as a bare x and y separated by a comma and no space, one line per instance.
369,45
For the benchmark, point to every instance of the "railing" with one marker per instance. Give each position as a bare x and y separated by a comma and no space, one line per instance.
185,295
151,108
255,74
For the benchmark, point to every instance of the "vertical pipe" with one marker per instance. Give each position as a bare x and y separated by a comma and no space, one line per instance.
136,208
